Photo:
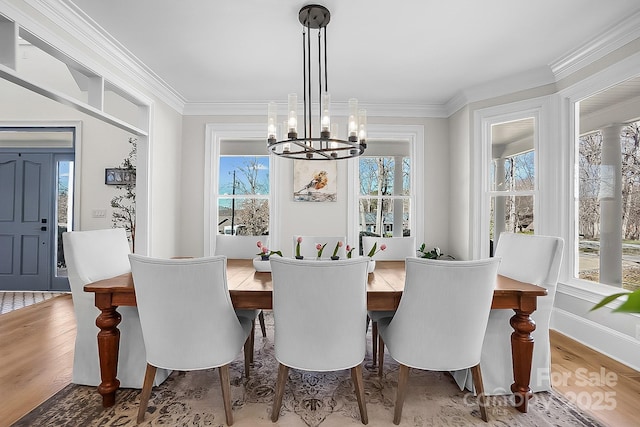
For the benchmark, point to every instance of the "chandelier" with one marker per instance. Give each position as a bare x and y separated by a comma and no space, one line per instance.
326,145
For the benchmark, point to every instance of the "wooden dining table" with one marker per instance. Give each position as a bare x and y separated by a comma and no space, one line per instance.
252,290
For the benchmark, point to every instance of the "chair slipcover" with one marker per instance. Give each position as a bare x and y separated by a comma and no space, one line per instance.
398,248
308,246
532,259
91,256
319,309
441,319
440,322
242,247
188,321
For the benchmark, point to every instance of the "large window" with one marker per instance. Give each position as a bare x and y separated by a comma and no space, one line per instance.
239,184
386,192
608,205
512,178
385,195
243,195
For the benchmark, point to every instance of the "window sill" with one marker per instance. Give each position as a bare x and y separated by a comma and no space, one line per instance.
590,291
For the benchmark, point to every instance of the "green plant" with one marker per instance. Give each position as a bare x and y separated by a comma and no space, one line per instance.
434,253
124,205
335,250
631,305
298,241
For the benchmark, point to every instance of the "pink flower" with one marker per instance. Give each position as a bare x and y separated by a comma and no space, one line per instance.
348,248
383,247
259,244
299,239
265,250
320,248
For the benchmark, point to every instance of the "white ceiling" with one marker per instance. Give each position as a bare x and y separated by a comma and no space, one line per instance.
410,52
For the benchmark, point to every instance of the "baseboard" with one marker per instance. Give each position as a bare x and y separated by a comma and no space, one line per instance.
605,340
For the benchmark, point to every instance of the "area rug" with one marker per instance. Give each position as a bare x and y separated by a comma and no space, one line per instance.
10,301
311,399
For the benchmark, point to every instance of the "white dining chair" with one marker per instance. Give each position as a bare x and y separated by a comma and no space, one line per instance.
319,309
440,321
531,259
397,249
188,321
243,247
308,246
92,256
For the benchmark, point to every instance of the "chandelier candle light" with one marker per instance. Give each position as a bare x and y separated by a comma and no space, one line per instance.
328,145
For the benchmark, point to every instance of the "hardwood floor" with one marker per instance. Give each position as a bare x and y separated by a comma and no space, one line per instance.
607,389
37,356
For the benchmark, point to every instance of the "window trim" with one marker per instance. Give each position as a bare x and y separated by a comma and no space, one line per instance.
483,120
214,134
414,134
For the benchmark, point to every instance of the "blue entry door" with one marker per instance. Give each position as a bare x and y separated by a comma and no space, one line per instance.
26,183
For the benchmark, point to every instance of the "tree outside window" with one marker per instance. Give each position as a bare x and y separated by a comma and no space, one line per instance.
593,178
243,202
385,196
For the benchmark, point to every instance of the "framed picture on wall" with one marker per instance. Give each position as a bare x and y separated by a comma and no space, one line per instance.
117,176
315,181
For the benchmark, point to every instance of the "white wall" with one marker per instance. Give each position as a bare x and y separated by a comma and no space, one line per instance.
459,179
312,218
165,181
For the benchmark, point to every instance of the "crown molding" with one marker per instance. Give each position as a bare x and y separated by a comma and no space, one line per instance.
71,19
615,37
532,79
458,101
260,109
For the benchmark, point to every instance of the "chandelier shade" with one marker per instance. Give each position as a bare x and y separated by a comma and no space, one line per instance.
298,140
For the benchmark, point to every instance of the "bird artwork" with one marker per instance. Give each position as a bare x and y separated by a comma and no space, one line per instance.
318,182
314,181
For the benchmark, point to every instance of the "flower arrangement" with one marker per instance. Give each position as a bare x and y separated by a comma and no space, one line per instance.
373,250
320,248
349,250
434,253
265,253
335,250
298,241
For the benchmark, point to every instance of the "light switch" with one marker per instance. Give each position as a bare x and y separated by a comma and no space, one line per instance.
99,213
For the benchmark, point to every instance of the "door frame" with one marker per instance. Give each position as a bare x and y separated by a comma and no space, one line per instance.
55,283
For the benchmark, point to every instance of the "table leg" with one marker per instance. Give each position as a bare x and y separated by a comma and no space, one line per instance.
522,354
108,349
